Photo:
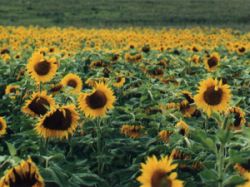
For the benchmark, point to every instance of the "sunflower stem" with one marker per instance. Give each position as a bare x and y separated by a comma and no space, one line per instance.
99,151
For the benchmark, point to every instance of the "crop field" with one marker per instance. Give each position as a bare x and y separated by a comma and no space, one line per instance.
117,13
124,107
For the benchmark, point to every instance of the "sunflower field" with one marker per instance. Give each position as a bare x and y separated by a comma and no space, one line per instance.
124,107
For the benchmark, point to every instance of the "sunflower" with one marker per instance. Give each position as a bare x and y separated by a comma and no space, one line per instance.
195,59
119,82
132,131
187,109
56,88
183,128
158,173
73,81
212,62
247,183
188,96
60,122
96,103
24,174
3,126
12,89
92,81
39,104
213,96
41,69
239,117
164,135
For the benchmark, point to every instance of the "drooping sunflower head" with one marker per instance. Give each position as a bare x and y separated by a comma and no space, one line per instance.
73,81
39,104
195,59
98,102
24,174
55,88
238,117
212,61
132,131
213,96
12,90
164,135
183,128
188,96
187,109
3,126
158,173
119,82
60,122
40,68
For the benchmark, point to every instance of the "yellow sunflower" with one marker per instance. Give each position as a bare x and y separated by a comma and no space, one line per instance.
119,82
213,96
92,81
73,81
212,62
247,183
164,135
39,104
239,117
98,102
60,122
24,174
3,126
183,128
158,173
13,90
132,131
187,109
41,69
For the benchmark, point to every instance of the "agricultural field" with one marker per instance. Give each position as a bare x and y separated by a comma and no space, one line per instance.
124,107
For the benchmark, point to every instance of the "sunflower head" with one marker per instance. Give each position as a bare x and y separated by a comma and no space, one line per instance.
158,173
213,96
119,82
40,68
164,135
187,109
60,122
212,61
73,81
132,131
188,96
183,128
238,117
3,126
24,174
39,104
13,90
98,102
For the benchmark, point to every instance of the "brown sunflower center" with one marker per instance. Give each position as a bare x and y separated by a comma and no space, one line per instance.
72,83
182,131
12,90
96,100
237,120
42,68
38,106
212,96
118,79
56,88
242,49
59,120
159,179
213,61
26,179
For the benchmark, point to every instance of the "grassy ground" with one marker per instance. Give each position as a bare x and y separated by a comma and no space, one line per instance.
110,13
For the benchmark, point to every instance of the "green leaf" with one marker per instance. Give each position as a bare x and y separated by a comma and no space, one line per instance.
11,148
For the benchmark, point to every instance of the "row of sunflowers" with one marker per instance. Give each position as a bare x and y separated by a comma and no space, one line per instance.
124,107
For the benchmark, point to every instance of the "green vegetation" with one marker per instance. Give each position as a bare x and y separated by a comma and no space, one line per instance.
113,13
